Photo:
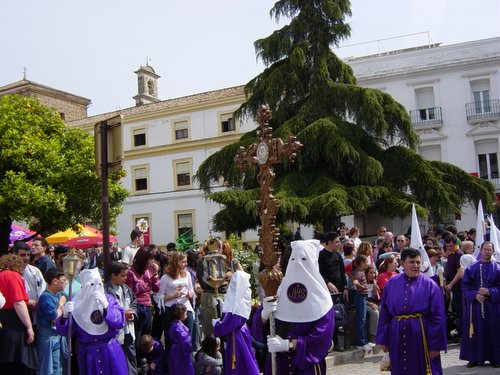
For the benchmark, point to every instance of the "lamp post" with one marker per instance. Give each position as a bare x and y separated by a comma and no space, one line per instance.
71,268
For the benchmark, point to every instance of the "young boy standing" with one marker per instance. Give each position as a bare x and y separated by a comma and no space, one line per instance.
48,341
123,294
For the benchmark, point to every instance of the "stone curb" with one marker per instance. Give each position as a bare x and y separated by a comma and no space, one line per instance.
338,358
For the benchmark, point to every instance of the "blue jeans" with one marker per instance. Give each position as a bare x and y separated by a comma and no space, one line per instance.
195,333
48,346
360,302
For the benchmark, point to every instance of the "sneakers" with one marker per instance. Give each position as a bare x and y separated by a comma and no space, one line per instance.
367,347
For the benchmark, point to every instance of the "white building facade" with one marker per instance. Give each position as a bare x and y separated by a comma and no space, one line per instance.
163,145
452,94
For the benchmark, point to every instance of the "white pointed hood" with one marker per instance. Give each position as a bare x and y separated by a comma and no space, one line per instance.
238,298
480,230
87,312
303,295
416,243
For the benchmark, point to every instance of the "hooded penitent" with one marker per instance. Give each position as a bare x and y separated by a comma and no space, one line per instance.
303,295
239,295
88,313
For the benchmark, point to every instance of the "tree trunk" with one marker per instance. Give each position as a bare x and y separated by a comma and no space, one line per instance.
4,235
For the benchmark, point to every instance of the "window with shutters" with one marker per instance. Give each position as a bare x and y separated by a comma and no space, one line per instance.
481,95
181,129
487,160
425,103
432,152
140,179
183,172
185,224
227,123
139,137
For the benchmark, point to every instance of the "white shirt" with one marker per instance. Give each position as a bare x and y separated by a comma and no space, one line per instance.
129,254
170,286
35,285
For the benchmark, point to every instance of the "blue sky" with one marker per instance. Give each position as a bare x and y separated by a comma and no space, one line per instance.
91,48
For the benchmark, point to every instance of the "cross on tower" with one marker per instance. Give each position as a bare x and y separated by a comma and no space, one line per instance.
266,153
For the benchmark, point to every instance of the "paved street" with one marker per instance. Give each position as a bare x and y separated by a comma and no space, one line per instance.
451,365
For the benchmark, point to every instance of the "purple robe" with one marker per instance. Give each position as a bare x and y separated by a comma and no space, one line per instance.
180,354
313,341
99,354
484,345
239,357
406,296
156,356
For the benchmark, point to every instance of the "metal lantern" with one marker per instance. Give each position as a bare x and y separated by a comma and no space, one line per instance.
214,267
71,267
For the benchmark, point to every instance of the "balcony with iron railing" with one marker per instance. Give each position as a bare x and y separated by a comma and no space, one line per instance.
427,118
485,110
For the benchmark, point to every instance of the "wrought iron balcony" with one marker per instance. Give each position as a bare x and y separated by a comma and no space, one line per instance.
426,117
483,111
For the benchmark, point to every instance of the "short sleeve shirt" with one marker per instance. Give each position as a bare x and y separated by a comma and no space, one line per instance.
47,309
13,288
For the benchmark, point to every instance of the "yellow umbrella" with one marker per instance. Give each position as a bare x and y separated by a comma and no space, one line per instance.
68,234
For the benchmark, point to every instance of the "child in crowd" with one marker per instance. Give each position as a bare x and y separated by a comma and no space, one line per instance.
208,360
152,351
372,302
180,352
48,341
359,265
386,270
126,298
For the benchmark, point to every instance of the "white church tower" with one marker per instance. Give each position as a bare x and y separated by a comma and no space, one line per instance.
147,84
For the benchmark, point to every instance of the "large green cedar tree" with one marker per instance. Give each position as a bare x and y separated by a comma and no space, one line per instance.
47,171
359,145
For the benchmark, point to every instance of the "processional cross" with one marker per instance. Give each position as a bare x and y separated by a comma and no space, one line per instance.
266,153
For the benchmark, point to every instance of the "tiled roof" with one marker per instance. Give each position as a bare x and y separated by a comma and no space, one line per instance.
27,84
205,97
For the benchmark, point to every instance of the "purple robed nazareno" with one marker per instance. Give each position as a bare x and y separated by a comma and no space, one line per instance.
157,357
484,345
407,296
313,341
180,355
99,354
235,332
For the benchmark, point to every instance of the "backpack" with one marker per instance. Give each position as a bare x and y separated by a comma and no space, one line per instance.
340,315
